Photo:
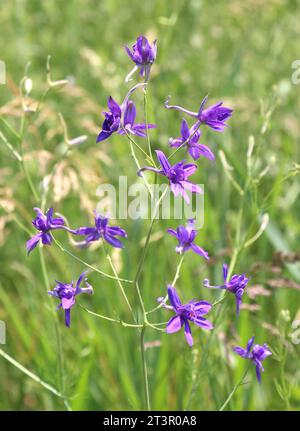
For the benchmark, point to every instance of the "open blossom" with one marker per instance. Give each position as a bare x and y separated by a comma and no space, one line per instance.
257,354
215,116
235,285
186,236
67,294
190,139
121,117
44,223
102,230
193,311
143,54
177,175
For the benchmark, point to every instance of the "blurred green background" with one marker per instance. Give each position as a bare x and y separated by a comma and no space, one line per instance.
239,52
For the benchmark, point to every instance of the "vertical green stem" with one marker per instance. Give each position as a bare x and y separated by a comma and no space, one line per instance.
234,390
145,373
146,121
108,257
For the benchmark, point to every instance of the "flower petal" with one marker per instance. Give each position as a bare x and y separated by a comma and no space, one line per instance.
46,238
203,323
172,232
174,324
202,307
241,352
114,107
188,333
33,242
164,163
173,297
130,113
185,132
115,242
189,169
68,317
200,251
194,188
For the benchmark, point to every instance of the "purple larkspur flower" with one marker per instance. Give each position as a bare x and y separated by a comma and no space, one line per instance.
102,230
121,117
186,236
143,54
215,116
193,311
190,139
257,354
44,223
235,285
177,175
67,294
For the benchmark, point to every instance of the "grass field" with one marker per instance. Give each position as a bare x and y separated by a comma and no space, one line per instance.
238,52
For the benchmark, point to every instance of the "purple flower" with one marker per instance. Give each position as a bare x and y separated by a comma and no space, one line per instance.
192,311
257,355
67,294
186,236
44,223
190,139
177,175
143,54
236,285
215,116
121,117
102,230
112,120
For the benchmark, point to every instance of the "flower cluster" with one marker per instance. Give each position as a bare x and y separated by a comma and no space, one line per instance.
120,119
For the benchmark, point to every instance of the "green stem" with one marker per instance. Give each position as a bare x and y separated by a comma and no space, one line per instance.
234,390
93,268
144,364
23,164
146,121
108,257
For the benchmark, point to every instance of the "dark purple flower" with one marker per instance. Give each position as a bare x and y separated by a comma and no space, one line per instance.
177,175
186,236
44,223
215,116
190,139
102,230
67,294
257,355
112,120
192,311
143,54
120,118
236,285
